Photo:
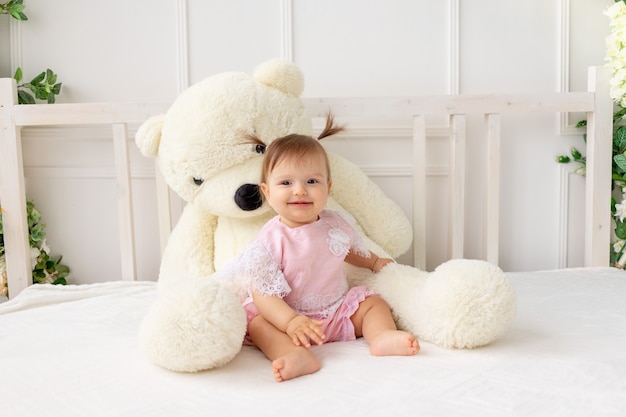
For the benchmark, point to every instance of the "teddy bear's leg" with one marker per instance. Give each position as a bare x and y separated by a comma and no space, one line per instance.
465,304
462,304
194,325
400,285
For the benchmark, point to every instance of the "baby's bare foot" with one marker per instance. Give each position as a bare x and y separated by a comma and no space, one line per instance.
296,363
394,343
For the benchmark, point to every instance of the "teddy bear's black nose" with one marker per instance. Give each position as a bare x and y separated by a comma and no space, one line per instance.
248,197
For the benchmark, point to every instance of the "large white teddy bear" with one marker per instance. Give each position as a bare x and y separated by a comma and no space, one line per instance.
204,153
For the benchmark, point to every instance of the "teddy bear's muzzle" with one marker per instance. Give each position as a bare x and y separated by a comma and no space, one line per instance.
248,197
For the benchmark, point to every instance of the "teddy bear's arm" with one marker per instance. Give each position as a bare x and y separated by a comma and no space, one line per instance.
380,218
190,248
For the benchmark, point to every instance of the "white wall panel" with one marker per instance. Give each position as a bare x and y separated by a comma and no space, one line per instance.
587,32
508,46
103,51
373,47
232,35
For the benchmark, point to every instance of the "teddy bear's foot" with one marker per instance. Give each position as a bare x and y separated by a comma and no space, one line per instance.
194,325
465,304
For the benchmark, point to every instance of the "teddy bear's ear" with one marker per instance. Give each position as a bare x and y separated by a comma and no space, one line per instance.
148,135
281,74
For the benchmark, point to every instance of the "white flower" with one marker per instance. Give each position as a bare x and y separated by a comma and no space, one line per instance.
34,254
618,245
620,210
44,247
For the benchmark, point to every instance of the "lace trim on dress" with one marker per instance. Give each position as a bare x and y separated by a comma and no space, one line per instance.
265,274
321,305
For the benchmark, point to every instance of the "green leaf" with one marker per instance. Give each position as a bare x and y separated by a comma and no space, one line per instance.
620,161
576,154
39,78
620,229
563,159
23,97
619,139
41,94
18,75
63,269
613,203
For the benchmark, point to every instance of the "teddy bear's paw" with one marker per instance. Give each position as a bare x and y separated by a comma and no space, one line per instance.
194,325
465,304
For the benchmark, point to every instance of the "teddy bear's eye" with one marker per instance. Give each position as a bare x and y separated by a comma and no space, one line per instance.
259,149
198,181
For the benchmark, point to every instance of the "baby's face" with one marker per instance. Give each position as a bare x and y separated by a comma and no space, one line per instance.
298,190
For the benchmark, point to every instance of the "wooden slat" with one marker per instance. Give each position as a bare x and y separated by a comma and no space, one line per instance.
491,220
456,186
459,104
85,113
419,192
599,171
124,202
13,194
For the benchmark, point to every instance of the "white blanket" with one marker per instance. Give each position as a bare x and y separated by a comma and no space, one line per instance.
72,351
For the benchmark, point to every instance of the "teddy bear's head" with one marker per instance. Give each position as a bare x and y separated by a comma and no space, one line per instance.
203,143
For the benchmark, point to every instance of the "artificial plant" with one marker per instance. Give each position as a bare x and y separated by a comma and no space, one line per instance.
44,85
46,269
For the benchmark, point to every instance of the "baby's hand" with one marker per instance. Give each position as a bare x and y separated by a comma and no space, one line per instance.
302,331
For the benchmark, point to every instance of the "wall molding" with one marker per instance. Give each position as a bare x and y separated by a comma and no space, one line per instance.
182,46
565,174
84,173
73,133
286,33
454,48
15,44
565,128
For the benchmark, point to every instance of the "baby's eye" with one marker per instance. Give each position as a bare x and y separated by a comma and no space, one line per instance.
260,149
312,181
285,182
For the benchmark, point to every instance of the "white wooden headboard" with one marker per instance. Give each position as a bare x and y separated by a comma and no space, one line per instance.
595,103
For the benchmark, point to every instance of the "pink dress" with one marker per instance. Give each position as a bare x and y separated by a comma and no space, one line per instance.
304,266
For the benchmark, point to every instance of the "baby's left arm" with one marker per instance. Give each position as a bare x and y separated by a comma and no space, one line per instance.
374,262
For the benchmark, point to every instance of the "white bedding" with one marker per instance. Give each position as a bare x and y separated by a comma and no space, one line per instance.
72,351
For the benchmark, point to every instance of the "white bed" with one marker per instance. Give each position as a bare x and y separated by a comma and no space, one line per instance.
72,351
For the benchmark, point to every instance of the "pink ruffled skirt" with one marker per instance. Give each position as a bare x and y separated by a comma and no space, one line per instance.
337,328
